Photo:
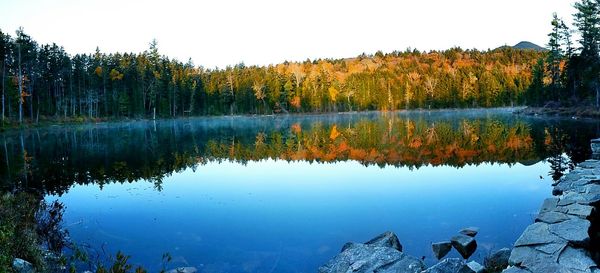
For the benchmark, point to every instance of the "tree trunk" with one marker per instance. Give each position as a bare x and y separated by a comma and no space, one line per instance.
3,75
597,96
20,88
31,83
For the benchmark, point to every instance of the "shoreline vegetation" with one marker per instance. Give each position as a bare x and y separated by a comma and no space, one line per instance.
573,112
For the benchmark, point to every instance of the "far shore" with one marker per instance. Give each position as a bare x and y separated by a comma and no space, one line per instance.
577,112
80,120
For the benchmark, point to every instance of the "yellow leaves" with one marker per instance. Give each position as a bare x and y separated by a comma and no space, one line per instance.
333,93
414,77
260,139
334,133
115,75
258,87
472,78
547,137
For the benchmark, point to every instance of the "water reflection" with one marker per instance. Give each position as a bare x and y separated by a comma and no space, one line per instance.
53,159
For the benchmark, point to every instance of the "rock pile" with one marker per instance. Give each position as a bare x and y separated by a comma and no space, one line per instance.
559,239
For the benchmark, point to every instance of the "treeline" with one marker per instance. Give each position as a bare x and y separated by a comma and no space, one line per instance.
570,73
45,81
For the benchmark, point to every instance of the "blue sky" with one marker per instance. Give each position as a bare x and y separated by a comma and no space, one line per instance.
226,32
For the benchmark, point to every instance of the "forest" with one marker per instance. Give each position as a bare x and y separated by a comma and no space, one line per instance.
45,82
569,76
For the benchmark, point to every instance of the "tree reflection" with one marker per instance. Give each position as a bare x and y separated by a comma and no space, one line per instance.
52,160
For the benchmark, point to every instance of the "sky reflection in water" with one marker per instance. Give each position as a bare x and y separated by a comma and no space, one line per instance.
292,217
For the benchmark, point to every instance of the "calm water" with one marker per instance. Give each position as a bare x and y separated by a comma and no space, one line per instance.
283,194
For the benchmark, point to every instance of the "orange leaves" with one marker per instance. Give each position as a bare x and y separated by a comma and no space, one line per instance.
296,128
357,154
334,133
98,71
296,102
416,143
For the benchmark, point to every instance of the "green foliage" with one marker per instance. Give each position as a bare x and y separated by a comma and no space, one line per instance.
18,236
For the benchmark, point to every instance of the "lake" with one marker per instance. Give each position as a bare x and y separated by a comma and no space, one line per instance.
284,193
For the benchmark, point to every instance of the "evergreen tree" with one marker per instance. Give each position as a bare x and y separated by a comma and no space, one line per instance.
555,56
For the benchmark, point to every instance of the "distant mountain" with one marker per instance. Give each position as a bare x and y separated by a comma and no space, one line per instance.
529,45
524,45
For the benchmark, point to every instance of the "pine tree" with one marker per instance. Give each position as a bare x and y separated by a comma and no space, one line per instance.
555,56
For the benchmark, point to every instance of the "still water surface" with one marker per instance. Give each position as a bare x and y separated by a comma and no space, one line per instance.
284,193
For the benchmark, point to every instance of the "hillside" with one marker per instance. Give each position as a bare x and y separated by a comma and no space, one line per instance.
528,45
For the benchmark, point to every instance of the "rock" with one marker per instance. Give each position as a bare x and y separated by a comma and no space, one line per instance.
527,256
498,260
440,249
580,210
386,239
472,267
550,267
188,269
552,217
514,269
552,248
347,245
363,258
591,164
576,260
465,245
537,233
470,231
22,266
549,205
566,201
449,265
574,230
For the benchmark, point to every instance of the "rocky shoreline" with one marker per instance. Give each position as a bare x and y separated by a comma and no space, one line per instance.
565,238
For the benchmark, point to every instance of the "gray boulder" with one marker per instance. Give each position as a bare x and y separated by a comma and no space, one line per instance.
470,231
573,230
497,261
472,267
22,266
363,258
386,239
536,234
465,245
514,269
188,269
449,265
576,260
441,249
595,145
552,217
